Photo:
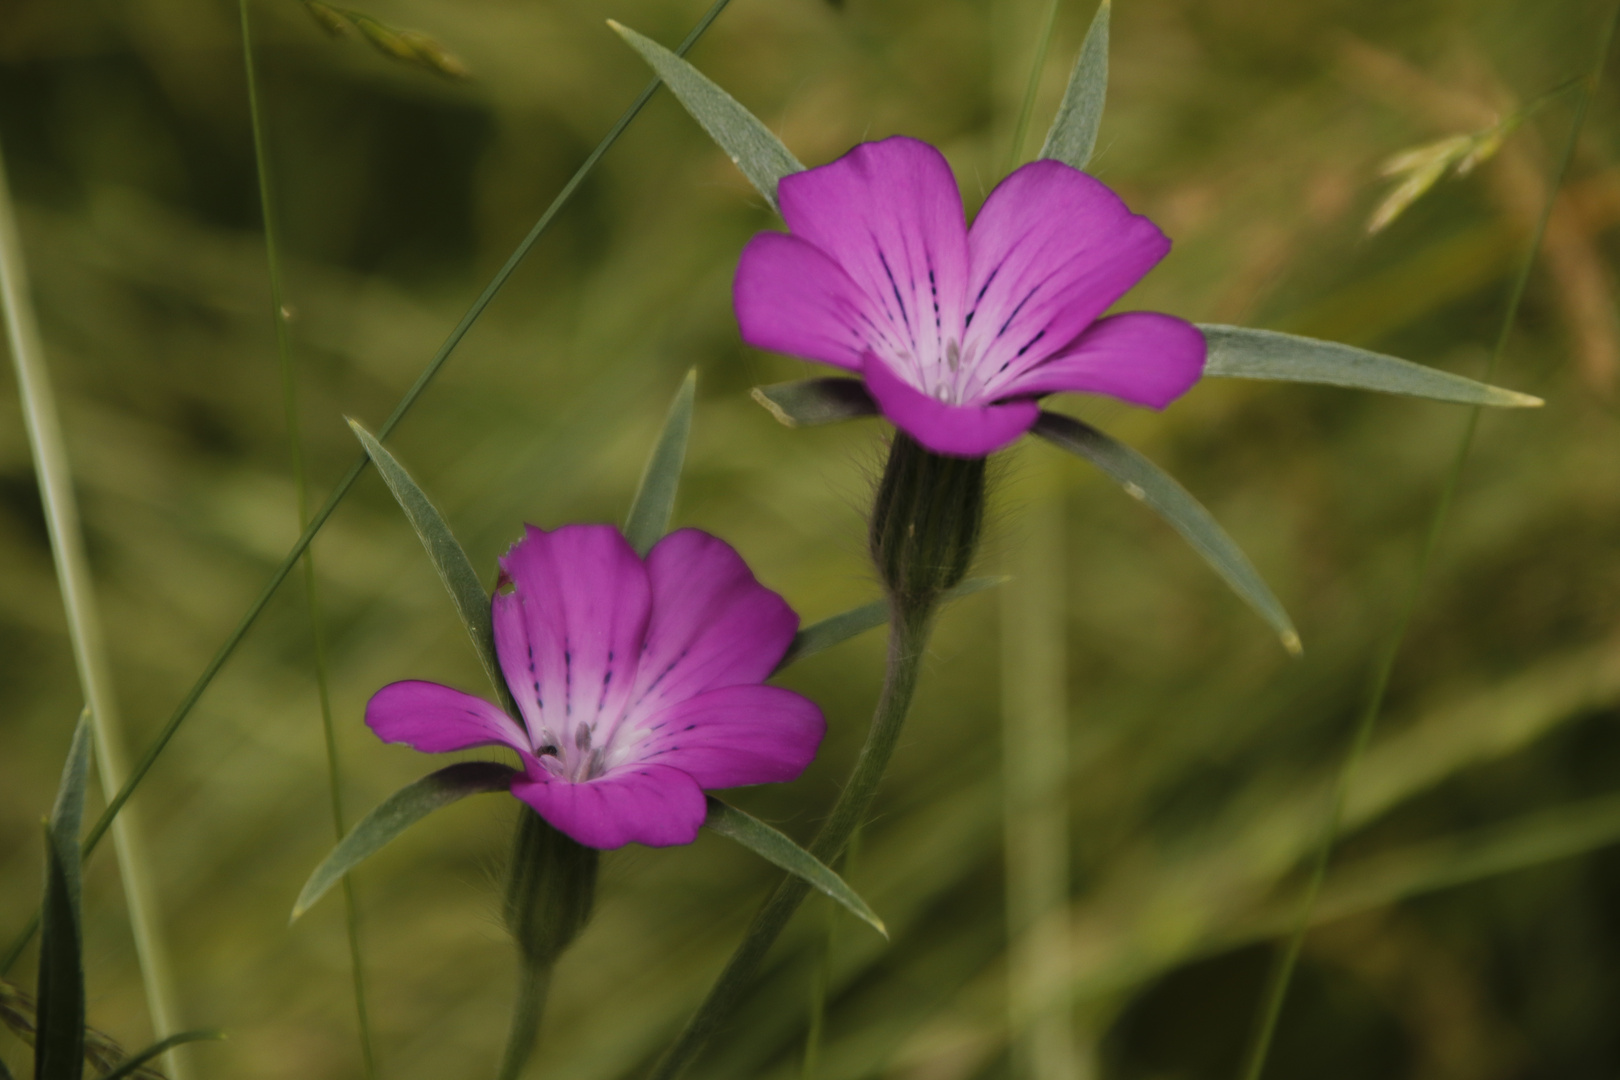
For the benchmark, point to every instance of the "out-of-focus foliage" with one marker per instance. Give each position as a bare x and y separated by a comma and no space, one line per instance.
1251,130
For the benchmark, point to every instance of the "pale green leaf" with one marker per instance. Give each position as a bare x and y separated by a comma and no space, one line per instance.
837,629
1073,136
1238,352
1149,484
749,144
399,812
654,503
778,850
447,556
810,402
59,1039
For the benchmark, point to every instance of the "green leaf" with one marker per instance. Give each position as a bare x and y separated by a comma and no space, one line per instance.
654,503
5,1073
778,850
1237,352
837,629
1146,482
399,812
1073,136
157,1050
749,144
455,569
59,1039
809,402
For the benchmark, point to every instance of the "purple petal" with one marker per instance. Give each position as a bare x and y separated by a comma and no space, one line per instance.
791,297
581,600
713,624
1140,356
736,735
654,805
956,430
889,213
1052,249
436,719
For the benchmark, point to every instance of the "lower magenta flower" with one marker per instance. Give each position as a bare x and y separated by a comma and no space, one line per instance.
639,684
958,332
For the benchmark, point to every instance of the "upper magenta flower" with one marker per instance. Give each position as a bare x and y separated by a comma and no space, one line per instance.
639,684
958,331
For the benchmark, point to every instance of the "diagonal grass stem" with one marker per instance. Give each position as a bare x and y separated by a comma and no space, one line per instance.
1282,973
188,702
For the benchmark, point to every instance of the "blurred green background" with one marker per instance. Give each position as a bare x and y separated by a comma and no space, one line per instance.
1471,928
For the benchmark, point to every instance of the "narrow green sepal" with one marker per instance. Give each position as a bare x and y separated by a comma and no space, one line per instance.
837,629
750,145
1147,483
777,849
551,888
60,1015
654,504
443,550
1240,352
811,402
1073,135
158,1049
399,812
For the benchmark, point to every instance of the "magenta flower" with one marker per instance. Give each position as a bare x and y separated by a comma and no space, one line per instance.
958,331
639,684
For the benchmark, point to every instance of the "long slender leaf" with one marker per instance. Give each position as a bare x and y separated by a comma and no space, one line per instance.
1238,352
810,402
750,145
59,1039
399,812
5,1073
1146,482
1073,135
837,629
778,850
158,1049
455,569
654,503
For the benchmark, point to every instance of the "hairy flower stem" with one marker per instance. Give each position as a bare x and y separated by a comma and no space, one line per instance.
550,889
1276,992
925,523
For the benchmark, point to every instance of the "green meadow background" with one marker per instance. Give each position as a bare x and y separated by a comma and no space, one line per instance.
1471,925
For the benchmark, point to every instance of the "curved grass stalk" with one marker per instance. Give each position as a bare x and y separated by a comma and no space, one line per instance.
83,618
1282,973
289,396
149,757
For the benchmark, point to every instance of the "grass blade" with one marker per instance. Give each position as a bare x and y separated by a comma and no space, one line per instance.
1073,135
778,850
155,749
5,1073
654,504
1146,482
158,1049
1238,352
446,554
59,1037
811,402
399,812
750,145
837,629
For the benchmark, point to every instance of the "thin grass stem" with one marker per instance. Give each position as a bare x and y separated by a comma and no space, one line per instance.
295,444
1032,89
83,617
149,757
1276,992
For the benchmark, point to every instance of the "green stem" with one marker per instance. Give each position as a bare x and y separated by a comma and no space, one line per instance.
150,756
1282,972
908,638
1027,109
289,395
534,980
83,618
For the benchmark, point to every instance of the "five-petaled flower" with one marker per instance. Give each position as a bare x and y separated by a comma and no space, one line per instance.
958,332
639,684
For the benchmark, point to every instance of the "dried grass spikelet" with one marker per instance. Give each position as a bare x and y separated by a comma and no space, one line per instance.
409,46
101,1053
